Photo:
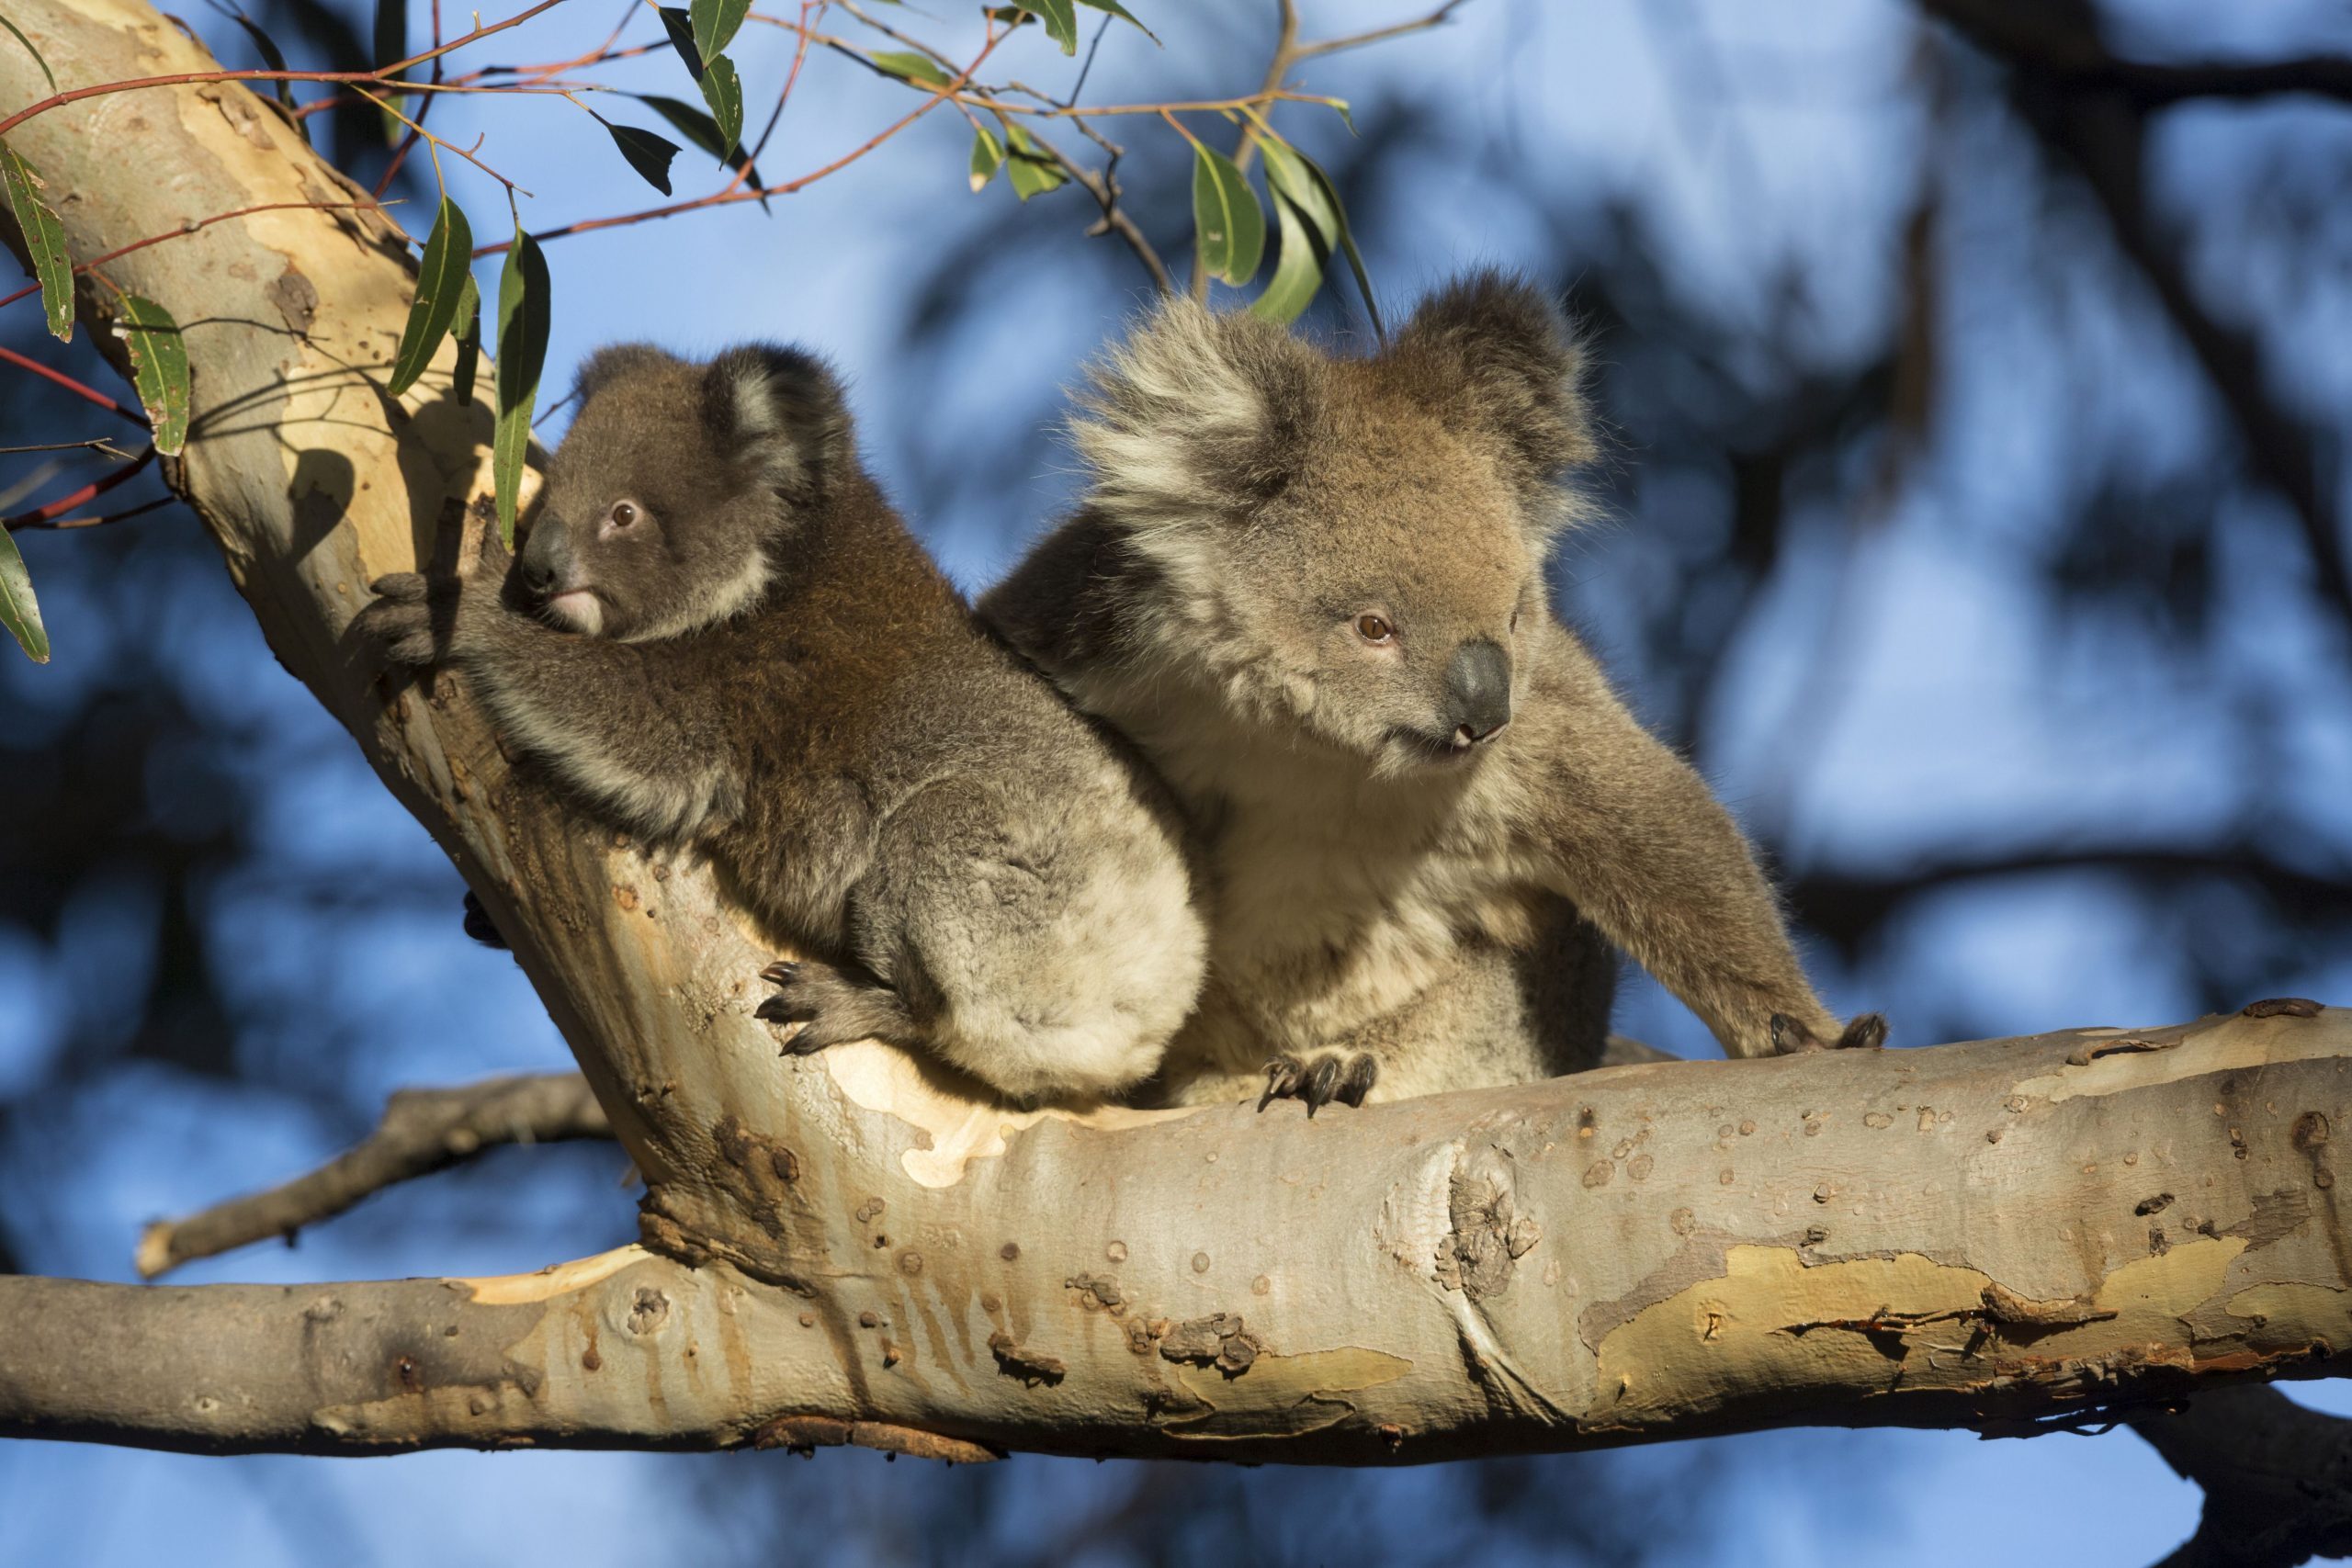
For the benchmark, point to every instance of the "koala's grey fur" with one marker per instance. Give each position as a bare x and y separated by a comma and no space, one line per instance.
1404,884
756,657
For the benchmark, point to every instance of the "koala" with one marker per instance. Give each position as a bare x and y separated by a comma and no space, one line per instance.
1310,588
719,633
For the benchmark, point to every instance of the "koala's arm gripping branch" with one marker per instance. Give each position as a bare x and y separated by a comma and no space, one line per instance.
1636,840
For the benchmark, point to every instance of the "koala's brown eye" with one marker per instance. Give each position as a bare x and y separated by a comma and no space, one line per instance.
1372,628
624,513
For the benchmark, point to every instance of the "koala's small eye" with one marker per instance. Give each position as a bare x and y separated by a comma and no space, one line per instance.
624,513
1372,628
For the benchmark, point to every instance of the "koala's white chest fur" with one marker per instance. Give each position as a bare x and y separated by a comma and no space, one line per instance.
1339,899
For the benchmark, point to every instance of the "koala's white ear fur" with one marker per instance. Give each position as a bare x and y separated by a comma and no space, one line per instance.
1197,417
780,410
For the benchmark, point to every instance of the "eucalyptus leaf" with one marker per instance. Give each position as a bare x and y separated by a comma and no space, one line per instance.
1226,216
681,28
523,306
911,66
698,128
1328,202
391,43
1060,20
715,23
987,157
158,370
1298,270
1123,14
647,152
45,71
723,91
44,241
441,285
468,332
19,611
1031,168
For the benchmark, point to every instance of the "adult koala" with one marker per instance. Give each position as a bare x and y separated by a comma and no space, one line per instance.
1311,589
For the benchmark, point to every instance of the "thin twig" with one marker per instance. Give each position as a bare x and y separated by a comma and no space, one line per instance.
64,505
195,226
80,389
422,1131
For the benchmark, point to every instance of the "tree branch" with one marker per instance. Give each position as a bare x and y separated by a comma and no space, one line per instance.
422,1131
2278,1478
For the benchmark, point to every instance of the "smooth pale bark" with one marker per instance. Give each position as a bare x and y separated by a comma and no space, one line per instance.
2004,1232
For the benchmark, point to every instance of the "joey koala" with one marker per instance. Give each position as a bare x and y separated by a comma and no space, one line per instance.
1310,588
723,634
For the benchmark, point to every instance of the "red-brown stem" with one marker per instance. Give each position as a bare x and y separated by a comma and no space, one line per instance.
10,357
64,523
46,516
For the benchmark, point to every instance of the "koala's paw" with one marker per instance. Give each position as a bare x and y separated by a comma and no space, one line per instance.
1789,1038
831,1008
1319,1079
479,926
401,620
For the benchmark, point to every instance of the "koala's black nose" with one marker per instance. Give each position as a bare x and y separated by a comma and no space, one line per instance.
545,556
1477,690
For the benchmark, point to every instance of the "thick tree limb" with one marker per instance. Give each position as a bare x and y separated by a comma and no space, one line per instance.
2277,1479
850,1247
422,1131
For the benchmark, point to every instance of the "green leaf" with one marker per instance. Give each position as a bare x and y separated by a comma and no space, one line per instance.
681,28
45,71
1123,14
705,133
1292,174
1226,218
715,22
723,91
44,241
391,43
988,156
158,370
648,152
467,329
441,285
523,303
1299,271
911,66
1060,20
19,611
1033,170
1010,15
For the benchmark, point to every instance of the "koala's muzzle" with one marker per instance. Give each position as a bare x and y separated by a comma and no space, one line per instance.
1477,692
546,560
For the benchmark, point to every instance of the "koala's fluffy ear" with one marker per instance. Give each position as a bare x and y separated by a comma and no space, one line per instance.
1197,416
780,412
1497,357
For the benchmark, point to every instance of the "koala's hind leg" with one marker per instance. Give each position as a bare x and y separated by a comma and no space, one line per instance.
833,1007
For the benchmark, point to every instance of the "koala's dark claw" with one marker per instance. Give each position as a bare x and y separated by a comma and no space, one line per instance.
400,587
1319,1082
1867,1033
478,925
782,972
1789,1038
1283,1078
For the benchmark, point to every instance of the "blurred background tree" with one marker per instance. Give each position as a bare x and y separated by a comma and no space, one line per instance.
1977,525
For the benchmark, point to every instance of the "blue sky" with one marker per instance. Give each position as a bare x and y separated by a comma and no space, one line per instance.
1907,688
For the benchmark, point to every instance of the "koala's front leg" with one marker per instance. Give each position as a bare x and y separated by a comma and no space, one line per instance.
1632,834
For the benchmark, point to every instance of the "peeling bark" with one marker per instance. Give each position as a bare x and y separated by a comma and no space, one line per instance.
849,1249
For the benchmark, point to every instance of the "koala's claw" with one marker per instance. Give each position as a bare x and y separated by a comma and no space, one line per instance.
479,926
1328,1077
1789,1038
831,1008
